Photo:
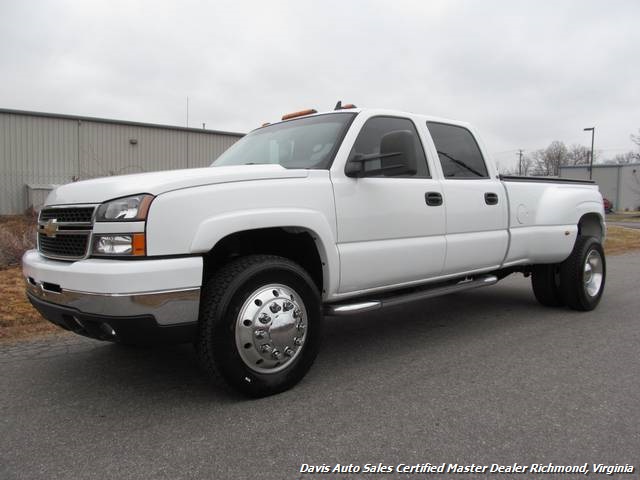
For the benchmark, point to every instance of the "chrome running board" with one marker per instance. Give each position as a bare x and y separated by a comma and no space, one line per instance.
360,306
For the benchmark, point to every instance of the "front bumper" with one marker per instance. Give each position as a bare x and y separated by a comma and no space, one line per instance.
141,329
116,297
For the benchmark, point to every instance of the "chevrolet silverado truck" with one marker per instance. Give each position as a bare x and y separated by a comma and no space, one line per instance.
332,213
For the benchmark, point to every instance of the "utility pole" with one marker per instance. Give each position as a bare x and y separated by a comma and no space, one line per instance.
593,132
520,162
187,133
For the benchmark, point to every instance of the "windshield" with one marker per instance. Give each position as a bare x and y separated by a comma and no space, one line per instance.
309,142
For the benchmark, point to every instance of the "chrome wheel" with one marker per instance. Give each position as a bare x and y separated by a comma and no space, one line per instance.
593,273
271,328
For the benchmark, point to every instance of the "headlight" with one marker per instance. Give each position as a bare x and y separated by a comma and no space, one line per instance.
117,244
128,209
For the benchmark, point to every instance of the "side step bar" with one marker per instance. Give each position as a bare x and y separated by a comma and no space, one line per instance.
339,309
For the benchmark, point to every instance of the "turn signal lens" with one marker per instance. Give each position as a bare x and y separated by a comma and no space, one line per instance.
139,244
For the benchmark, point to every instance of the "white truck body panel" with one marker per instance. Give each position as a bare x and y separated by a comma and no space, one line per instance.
98,190
386,235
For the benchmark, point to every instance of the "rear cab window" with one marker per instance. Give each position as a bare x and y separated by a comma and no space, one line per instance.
458,151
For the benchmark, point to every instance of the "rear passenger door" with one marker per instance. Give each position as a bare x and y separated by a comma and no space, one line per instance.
475,204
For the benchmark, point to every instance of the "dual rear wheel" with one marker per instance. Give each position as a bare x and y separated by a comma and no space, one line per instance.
578,282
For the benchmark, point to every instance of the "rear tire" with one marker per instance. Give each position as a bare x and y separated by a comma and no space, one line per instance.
583,274
545,280
260,325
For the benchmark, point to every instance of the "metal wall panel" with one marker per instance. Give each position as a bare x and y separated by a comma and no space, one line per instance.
618,183
33,150
630,187
38,149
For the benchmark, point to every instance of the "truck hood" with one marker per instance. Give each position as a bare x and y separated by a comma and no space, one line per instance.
100,190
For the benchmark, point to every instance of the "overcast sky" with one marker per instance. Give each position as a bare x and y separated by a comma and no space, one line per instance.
524,72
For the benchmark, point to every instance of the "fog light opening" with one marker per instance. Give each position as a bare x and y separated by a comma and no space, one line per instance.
107,330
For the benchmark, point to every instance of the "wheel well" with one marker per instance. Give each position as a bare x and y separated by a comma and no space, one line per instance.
590,225
294,243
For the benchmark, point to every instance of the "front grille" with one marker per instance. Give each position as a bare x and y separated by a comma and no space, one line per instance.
67,246
71,214
64,232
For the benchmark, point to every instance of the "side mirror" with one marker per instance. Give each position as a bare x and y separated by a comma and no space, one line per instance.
397,157
355,167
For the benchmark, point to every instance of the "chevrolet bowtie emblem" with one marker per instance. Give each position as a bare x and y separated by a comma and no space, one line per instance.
50,228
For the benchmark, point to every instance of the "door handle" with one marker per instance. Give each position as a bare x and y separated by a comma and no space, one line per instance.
433,199
491,198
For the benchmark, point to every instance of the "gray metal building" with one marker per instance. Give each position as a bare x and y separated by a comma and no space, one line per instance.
41,150
619,183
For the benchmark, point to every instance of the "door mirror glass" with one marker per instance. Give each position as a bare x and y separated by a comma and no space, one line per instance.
387,147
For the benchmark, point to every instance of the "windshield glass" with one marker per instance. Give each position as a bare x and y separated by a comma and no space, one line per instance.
309,142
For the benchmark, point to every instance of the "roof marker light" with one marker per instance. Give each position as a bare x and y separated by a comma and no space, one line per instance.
300,113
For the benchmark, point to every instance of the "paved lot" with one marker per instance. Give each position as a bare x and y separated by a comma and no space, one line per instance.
484,376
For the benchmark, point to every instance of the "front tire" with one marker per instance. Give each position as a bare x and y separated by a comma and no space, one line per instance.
260,325
583,274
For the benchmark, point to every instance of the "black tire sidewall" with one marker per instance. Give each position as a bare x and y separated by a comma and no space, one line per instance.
588,300
224,348
546,288
572,275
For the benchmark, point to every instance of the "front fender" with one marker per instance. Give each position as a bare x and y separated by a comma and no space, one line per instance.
215,228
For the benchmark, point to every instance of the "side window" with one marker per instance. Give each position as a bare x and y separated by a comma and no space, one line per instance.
391,135
458,151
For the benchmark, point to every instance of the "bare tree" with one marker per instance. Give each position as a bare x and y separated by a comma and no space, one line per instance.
548,160
579,155
636,139
622,159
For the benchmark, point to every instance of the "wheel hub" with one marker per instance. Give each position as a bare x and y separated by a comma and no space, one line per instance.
593,273
271,328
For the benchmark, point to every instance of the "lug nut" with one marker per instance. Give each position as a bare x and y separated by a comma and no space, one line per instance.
300,326
260,334
296,313
288,352
275,308
264,318
276,354
265,348
287,306
297,341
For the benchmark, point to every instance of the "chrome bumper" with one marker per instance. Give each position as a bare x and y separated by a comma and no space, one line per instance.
172,307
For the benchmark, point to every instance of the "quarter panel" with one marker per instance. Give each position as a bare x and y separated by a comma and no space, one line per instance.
544,219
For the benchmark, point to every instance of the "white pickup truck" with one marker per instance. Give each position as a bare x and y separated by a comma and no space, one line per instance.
329,213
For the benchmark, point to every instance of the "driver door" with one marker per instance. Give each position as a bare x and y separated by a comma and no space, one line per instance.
391,229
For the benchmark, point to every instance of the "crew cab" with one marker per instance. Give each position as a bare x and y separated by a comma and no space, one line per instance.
332,213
